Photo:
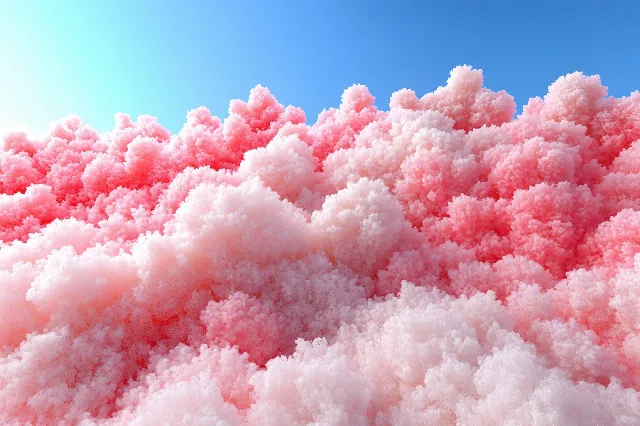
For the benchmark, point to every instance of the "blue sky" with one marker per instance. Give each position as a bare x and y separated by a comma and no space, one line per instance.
165,58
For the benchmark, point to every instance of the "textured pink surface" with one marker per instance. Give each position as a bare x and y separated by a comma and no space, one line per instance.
439,263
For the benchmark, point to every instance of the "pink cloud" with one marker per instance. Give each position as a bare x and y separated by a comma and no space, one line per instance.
443,262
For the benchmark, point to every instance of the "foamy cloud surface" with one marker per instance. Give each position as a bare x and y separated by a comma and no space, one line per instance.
438,263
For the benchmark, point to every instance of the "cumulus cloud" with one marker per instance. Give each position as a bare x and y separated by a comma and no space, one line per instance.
442,262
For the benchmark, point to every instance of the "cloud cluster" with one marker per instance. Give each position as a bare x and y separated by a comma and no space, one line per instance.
438,263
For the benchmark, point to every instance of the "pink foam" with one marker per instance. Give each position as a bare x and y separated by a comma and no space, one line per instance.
438,263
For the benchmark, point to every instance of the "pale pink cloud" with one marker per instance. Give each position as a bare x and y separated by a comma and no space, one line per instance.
443,262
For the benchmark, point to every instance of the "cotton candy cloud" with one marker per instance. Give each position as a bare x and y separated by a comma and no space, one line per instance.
440,262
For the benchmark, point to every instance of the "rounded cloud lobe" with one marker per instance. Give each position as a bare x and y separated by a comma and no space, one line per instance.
438,263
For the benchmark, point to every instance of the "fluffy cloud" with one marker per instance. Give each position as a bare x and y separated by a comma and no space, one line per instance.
438,263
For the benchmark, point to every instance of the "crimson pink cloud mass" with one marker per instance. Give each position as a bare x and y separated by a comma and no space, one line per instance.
437,263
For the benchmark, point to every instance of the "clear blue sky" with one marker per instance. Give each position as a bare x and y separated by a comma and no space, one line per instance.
165,58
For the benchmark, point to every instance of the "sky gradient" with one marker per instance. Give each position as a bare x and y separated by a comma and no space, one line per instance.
155,58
